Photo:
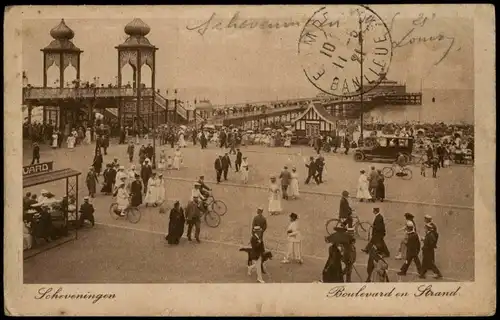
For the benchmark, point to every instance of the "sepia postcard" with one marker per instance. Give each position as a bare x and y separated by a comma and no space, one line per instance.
272,160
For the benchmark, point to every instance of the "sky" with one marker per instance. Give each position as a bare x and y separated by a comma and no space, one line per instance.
231,66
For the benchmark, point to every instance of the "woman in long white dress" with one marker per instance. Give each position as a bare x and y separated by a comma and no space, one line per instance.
122,198
170,162
363,190
244,170
294,184
288,141
54,140
160,185
182,142
152,192
177,159
163,160
71,142
294,239
87,139
274,197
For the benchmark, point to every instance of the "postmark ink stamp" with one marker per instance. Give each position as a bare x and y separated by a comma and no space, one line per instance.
332,43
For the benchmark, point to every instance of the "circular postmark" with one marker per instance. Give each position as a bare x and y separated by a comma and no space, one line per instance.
332,44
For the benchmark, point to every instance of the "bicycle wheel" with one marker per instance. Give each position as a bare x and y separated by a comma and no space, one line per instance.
219,207
112,208
212,219
388,172
407,174
363,230
133,215
330,225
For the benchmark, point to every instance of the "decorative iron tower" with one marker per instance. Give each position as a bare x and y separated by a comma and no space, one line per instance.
137,51
60,52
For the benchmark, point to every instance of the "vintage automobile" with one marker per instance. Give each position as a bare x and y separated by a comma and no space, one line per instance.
384,147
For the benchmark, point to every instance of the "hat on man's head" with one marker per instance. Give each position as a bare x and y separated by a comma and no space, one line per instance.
428,217
44,191
86,198
345,193
376,210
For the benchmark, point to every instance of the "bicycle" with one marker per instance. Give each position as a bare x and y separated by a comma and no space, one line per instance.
217,206
362,229
211,217
405,174
132,214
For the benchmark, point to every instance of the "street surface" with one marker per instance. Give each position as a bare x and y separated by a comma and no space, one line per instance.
117,251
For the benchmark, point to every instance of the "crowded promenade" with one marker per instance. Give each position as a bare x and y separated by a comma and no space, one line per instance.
105,252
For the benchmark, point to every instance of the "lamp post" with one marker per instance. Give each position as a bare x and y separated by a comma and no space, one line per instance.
360,36
175,106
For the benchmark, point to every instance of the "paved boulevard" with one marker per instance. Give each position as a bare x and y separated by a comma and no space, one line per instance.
117,251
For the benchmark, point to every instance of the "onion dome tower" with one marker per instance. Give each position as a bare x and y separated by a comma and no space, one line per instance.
62,52
137,51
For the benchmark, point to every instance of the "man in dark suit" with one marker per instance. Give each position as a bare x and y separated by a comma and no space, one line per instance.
311,171
226,164
428,254
218,167
320,165
347,144
345,211
378,234
412,250
285,177
237,162
36,153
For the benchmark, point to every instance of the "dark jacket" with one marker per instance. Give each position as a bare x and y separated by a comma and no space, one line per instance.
311,166
319,164
413,245
285,177
257,247
430,241
218,164
192,211
259,220
226,162
344,210
36,152
86,209
239,157
378,226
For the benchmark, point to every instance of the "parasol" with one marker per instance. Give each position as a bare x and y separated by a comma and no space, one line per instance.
249,131
182,126
267,128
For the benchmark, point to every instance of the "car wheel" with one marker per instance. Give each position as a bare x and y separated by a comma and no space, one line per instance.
358,156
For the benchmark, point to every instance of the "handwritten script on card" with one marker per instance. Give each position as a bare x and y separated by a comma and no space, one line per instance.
421,30
425,290
238,23
419,33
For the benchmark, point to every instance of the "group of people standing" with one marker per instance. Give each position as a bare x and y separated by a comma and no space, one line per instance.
371,187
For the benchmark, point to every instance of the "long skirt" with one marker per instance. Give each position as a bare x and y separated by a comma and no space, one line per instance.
363,192
294,250
162,164
274,205
380,191
294,188
151,195
244,175
177,163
